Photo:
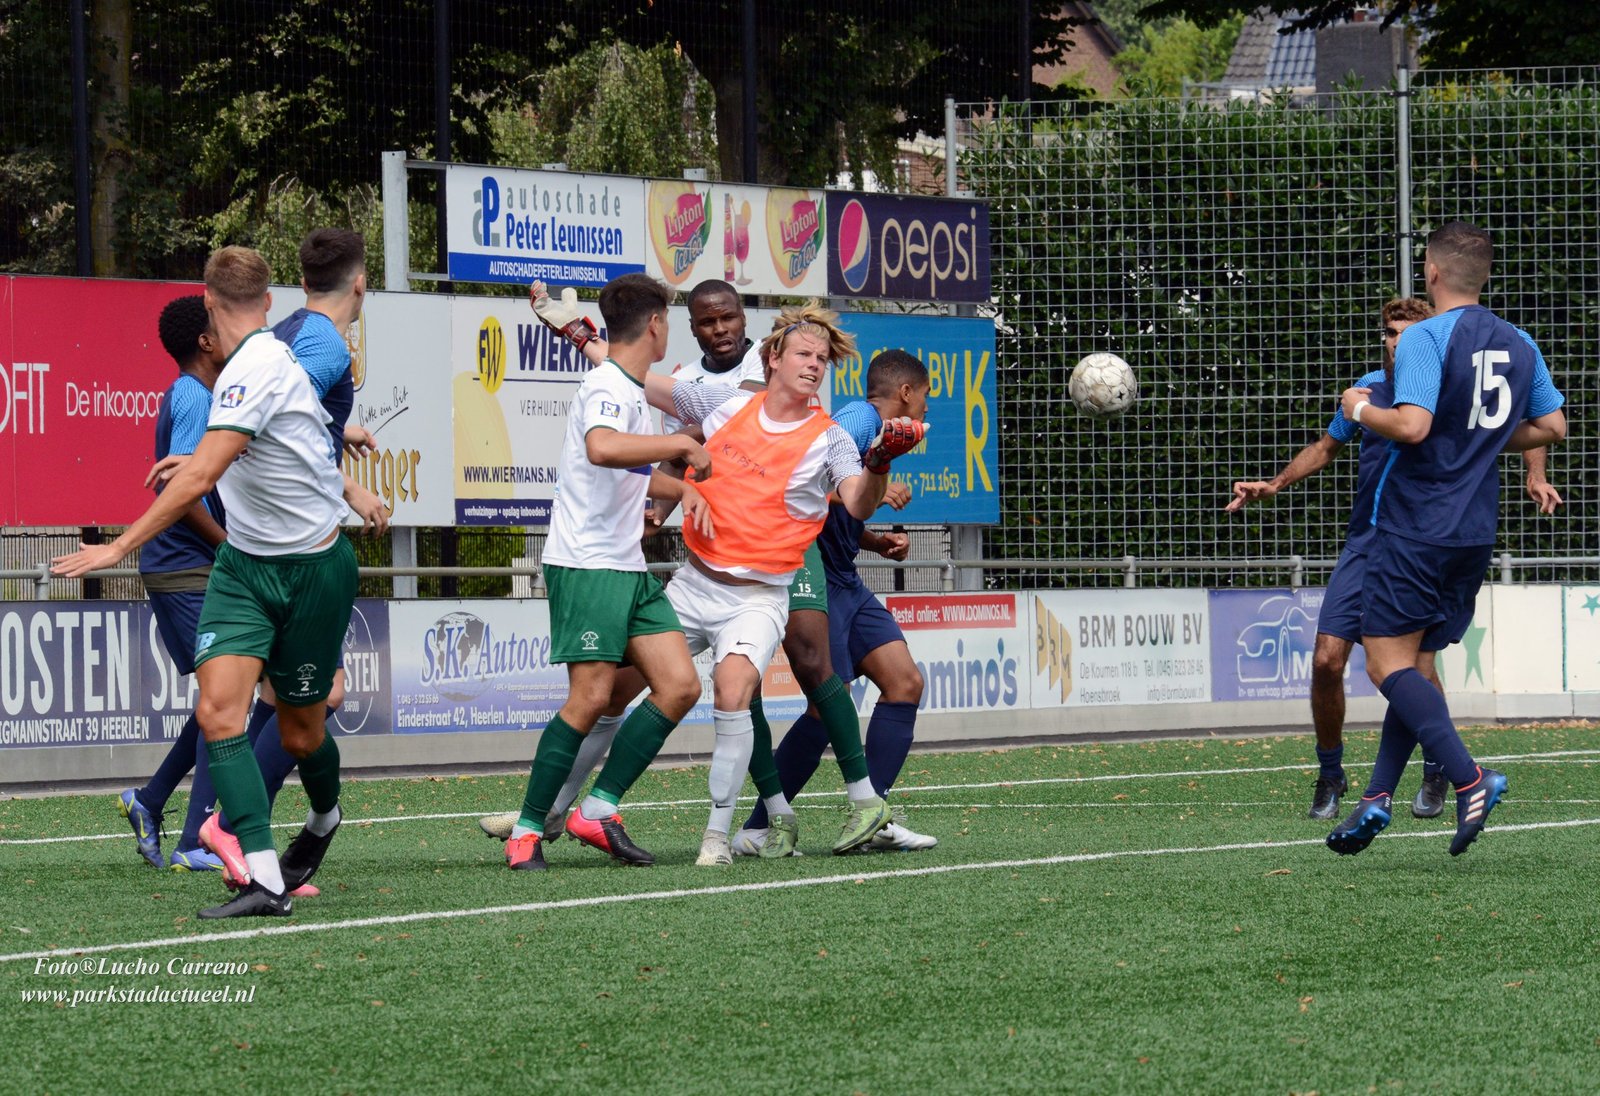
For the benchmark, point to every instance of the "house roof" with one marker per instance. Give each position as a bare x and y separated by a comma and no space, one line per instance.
1262,57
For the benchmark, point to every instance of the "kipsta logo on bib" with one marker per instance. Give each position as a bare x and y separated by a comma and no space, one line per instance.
855,245
233,395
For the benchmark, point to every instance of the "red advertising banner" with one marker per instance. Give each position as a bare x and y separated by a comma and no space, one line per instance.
944,611
82,374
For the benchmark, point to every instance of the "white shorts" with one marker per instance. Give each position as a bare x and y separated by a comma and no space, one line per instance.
729,620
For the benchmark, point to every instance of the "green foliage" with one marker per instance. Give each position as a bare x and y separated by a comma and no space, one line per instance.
1160,62
1237,258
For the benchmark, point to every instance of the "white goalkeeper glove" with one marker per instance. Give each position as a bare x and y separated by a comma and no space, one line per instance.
562,315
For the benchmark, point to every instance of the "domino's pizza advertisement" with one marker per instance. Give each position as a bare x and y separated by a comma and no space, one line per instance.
1263,644
971,650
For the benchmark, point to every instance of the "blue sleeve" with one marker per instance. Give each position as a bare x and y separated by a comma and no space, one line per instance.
323,355
191,407
1341,429
1419,362
861,421
1545,397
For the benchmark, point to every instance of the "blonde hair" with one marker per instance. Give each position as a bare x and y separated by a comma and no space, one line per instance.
237,275
808,319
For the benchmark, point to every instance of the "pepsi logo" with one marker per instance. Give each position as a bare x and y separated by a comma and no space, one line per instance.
855,246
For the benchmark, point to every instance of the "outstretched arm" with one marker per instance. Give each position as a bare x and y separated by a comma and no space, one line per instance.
199,474
1308,462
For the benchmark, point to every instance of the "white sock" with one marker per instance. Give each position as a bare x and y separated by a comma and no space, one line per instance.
595,745
519,830
594,808
777,804
322,824
264,869
730,762
858,790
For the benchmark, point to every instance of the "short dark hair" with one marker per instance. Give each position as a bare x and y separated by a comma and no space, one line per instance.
628,302
182,323
1463,253
892,368
713,287
330,258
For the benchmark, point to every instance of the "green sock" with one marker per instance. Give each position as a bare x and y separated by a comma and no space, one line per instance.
838,714
242,792
763,770
319,774
638,740
552,764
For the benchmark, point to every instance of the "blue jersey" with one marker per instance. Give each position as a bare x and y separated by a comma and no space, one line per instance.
1369,463
325,356
1480,377
840,540
180,425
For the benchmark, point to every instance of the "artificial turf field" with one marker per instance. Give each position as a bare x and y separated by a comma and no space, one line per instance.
1135,917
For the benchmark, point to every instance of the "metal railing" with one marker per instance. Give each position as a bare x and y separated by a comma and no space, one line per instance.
1295,567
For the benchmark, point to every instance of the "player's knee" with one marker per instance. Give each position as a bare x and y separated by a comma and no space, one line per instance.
811,671
1327,665
301,735
678,692
220,719
904,685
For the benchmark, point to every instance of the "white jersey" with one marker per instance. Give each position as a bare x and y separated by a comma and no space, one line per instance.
599,512
284,494
750,368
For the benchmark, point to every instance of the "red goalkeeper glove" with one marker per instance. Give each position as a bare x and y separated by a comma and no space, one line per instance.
562,316
897,436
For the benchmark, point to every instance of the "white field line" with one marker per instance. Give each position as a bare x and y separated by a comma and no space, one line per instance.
1556,757
738,888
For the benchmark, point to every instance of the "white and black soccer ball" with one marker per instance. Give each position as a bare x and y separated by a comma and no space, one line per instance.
1103,385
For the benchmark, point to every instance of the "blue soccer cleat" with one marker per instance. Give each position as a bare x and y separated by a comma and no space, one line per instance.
1361,825
146,827
1473,804
196,860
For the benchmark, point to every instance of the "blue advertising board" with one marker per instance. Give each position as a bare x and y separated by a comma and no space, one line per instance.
908,248
1262,643
954,475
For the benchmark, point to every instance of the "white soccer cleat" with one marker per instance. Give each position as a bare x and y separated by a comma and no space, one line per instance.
898,837
749,842
715,852
498,826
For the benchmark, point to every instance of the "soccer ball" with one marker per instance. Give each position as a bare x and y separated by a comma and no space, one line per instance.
1103,385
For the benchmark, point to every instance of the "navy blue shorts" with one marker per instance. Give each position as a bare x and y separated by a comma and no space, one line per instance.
1413,586
1341,605
858,624
178,617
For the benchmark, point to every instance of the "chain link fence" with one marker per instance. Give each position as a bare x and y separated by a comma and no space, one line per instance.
1237,255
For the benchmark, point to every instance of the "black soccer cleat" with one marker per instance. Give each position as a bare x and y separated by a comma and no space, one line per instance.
253,901
1325,799
1365,822
303,857
1429,802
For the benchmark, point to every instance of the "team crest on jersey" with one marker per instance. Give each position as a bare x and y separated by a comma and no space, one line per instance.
610,410
305,671
232,396
591,640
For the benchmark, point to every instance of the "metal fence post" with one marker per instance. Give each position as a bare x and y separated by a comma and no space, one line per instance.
1505,568
1402,209
1130,572
396,229
403,540
41,585
1297,571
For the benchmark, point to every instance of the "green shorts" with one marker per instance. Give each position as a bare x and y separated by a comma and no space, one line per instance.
809,590
289,611
593,614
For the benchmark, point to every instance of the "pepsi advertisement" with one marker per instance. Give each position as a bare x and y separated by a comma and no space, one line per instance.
908,248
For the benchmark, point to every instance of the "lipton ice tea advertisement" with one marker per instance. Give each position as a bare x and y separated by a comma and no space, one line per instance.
759,239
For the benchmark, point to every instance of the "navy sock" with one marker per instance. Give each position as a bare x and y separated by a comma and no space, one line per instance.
1332,762
889,735
1430,767
1423,710
259,714
797,758
173,768
202,799
1395,748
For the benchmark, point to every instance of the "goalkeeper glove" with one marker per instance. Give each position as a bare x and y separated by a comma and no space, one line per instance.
897,436
563,317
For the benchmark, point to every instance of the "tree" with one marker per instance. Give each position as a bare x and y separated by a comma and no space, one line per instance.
1160,62
1459,33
